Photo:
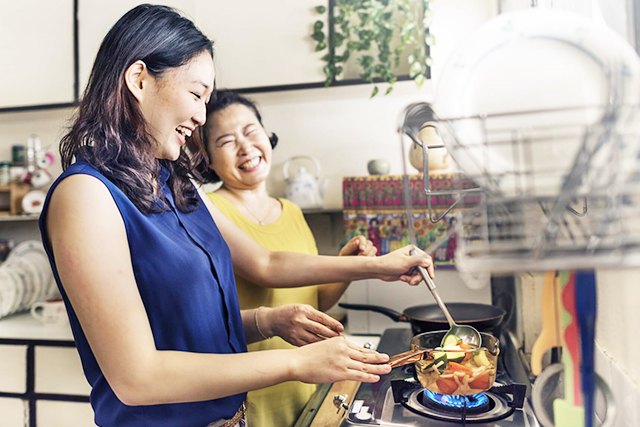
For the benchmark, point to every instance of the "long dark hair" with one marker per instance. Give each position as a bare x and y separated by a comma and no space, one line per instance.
109,130
221,99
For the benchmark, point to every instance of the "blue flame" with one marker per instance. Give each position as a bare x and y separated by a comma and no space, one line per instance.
453,401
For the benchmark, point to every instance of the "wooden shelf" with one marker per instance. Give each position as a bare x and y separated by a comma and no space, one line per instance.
5,216
16,192
321,211
22,326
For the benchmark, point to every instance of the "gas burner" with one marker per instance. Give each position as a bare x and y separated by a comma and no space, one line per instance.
494,408
498,403
476,403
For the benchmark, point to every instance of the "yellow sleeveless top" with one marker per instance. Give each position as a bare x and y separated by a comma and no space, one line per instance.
282,404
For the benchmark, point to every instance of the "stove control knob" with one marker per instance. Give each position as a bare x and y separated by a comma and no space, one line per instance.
368,345
339,401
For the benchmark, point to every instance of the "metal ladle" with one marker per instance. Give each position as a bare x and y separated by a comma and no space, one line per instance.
468,334
412,119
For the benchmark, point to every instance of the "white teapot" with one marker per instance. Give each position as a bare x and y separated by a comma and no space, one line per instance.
304,189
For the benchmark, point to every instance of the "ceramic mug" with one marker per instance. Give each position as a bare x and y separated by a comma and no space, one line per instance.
51,312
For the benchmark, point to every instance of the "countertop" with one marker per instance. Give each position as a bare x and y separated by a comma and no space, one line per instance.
24,327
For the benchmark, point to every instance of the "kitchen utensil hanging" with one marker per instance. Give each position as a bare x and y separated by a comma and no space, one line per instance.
544,151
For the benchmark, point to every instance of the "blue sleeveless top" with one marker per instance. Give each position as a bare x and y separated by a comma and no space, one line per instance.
183,270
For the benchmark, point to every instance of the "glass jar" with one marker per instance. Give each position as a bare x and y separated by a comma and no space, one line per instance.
5,173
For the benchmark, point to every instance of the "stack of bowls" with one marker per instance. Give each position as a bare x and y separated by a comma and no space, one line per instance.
25,278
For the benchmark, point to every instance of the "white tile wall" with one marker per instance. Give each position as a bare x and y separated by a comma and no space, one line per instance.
58,370
63,414
603,368
626,393
13,413
13,369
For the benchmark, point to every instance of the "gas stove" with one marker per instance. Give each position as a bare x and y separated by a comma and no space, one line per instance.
399,400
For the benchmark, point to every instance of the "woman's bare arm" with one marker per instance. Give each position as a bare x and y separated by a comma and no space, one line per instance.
329,294
290,269
89,242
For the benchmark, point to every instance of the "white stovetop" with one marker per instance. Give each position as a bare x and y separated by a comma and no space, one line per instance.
23,326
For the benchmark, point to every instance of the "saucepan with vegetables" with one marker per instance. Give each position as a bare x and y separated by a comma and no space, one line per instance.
444,364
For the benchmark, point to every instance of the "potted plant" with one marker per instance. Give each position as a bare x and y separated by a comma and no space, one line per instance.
376,33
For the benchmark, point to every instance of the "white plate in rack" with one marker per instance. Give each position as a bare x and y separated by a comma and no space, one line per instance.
33,283
7,293
33,251
555,69
15,287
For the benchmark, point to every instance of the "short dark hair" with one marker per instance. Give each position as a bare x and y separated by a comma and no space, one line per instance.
221,99
110,131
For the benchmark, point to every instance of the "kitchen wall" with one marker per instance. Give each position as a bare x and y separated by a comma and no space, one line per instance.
343,127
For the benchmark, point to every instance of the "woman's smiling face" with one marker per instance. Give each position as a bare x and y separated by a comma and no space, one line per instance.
239,147
175,104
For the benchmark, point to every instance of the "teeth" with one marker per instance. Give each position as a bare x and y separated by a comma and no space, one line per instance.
250,164
184,131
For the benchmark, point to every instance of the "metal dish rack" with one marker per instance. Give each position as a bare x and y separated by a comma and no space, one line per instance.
588,217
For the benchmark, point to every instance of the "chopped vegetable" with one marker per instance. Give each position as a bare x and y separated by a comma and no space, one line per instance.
483,382
438,354
457,367
440,363
450,341
468,354
481,359
447,385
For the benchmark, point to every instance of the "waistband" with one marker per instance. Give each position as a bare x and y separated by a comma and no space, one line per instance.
238,420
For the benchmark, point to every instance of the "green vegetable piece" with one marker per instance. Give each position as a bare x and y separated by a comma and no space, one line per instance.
481,359
440,363
450,341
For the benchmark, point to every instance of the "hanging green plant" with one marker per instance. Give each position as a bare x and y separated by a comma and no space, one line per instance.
376,33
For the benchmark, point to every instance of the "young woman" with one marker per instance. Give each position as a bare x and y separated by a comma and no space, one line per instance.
240,153
145,264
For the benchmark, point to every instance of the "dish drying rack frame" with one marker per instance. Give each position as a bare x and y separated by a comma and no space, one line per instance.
591,219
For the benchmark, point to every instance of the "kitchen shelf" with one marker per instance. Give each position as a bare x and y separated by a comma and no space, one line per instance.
321,211
23,327
6,217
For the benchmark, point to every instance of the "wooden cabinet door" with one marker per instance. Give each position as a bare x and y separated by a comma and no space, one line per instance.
262,43
37,46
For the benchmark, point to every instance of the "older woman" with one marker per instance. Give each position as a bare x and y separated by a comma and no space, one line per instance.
240,153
